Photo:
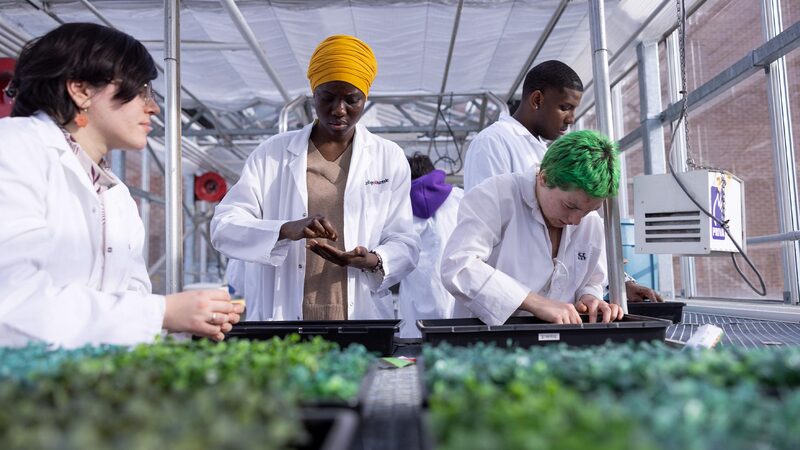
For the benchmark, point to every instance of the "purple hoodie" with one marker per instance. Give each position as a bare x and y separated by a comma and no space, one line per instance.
428,192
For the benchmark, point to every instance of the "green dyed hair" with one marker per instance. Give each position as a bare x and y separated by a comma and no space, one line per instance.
585,160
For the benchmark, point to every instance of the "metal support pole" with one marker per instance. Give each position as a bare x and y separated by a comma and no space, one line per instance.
688,281
617,111
203,250
144,204
783,153
191,236
546,32
250,37
453,35
653,141
172,143
283,118
616,276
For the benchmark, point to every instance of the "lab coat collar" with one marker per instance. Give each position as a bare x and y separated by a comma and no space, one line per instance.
516,127
299,144
54,137
528,186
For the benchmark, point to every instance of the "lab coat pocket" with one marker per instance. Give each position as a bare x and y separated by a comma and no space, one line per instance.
384,304
584,261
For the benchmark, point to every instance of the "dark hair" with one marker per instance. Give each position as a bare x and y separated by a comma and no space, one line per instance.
77,51
551,74
420,165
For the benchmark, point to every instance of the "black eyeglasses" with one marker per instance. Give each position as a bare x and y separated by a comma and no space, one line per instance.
145,92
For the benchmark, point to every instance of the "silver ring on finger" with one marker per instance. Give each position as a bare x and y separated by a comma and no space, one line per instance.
213,317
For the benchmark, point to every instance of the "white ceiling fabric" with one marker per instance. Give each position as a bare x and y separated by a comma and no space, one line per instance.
410,39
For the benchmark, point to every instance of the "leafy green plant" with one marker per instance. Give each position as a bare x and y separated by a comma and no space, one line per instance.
187,395
728,398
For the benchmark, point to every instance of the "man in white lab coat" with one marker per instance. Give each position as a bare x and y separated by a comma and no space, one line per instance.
322,215
551,93
532,241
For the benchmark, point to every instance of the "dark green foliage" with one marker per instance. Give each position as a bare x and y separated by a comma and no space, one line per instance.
190,395
641,396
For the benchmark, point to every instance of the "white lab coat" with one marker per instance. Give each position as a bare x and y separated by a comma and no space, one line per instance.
422,295
272,191
504,147
61,282
500,251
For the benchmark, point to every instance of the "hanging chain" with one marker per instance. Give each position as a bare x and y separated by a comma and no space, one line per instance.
683,90
690,162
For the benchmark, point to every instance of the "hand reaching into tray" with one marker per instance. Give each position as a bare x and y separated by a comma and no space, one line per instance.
589,304
551,310
637,293
566,313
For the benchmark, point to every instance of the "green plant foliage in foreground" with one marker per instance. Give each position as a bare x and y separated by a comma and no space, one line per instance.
190,395
614,396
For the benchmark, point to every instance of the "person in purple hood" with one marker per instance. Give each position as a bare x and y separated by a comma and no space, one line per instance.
435,206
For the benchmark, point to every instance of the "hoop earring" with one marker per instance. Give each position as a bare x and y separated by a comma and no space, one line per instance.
81,119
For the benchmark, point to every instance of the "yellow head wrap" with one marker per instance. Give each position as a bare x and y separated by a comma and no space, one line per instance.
343,58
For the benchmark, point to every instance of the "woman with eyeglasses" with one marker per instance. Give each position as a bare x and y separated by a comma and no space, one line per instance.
533,241
71,265
322,216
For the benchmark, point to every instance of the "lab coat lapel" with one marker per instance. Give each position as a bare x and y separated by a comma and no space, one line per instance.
298,154
359,164
55,138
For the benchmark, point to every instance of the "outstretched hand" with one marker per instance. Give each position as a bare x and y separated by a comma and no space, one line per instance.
358,257
316,226
637,293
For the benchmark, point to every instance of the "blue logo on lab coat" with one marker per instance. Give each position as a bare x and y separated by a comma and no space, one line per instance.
717,232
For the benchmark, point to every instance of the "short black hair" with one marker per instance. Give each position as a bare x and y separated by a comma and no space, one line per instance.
551,74
420,165
86,52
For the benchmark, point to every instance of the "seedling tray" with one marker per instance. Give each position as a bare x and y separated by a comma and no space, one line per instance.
667,310
375,335
522,331
329,429
355,403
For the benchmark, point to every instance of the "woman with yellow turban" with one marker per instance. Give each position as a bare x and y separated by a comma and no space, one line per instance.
322,215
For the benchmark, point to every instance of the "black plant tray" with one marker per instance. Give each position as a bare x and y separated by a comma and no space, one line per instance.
526,331
375,335
668,310
329,429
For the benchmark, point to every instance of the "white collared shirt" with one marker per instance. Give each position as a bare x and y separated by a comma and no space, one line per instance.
506,146
500,251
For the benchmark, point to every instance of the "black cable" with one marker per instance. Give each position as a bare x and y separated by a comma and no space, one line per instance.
682,118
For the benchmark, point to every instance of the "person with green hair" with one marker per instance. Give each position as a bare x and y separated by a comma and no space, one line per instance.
533,241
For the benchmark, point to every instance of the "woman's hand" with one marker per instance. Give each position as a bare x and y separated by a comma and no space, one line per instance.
316,226
550,310
206,313
589,304
359,257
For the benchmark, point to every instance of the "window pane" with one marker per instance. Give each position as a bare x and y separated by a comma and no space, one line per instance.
630,102
733,132
718,34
